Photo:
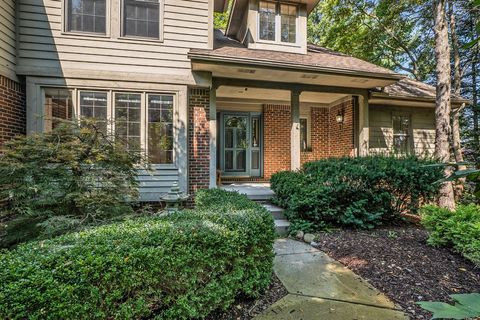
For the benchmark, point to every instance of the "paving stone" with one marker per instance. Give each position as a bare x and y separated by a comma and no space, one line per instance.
294,307
288,246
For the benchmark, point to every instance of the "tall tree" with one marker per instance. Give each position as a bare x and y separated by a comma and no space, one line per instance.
443,100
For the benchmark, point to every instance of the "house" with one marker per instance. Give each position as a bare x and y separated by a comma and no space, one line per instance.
246,103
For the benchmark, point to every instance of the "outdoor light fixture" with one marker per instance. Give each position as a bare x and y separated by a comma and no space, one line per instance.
340,118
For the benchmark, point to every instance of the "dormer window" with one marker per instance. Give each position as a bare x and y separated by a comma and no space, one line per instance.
277,22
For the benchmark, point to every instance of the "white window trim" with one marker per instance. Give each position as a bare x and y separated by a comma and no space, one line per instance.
278,25
161,25
108,17
410,141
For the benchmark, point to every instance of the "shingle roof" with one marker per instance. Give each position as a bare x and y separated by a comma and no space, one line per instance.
319,57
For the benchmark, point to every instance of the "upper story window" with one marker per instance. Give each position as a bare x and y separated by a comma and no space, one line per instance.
141,18
277,22
87,16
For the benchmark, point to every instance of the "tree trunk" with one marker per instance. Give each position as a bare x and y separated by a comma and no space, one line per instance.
457,88
443,101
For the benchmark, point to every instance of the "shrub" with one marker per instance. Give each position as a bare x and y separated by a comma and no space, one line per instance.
180,266
459,229
356,192
75,172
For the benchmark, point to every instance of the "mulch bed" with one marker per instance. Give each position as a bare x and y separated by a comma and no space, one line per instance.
246,309
399,262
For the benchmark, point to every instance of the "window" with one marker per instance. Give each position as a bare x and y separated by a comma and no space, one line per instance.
277,19
160,128
93,105
267,25
303,134
289,23
401,134
128,119
141,18
58,107
87,16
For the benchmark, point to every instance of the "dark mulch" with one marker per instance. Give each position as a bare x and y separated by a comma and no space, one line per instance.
246,309
399,262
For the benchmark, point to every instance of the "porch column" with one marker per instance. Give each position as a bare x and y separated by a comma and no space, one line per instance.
295,130
364,126
213,136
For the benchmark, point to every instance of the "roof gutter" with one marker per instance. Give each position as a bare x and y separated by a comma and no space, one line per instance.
379,95
287,65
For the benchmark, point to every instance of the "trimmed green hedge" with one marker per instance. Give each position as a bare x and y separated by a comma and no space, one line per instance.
459,229
355,192
180,266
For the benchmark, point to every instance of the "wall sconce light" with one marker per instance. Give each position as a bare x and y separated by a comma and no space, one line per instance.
340,117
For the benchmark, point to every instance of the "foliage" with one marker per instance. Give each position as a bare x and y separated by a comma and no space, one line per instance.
180,266
355,192
220,20
466,306
460,229
75,174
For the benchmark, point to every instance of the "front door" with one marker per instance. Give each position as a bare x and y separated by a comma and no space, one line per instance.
241,145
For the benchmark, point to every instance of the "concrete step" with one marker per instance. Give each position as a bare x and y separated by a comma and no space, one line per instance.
277,212
281,227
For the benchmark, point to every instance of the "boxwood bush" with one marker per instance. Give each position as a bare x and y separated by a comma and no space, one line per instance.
179,266
355,192
459,229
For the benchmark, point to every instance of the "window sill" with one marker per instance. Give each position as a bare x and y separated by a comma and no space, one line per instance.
140,40
70,34
278,43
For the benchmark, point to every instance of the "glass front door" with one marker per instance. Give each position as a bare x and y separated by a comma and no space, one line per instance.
241,142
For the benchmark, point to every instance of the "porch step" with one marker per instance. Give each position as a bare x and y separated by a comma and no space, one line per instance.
277,212
253,191
281,227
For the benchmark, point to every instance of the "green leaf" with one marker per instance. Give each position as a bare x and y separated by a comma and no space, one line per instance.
471,300
468,306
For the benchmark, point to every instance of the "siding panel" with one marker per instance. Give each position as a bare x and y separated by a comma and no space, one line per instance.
7,39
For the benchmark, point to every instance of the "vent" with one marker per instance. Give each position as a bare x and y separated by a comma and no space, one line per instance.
248,71
309,76
360,80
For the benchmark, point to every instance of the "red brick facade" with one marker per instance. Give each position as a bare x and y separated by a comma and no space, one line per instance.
198,140
12,109
277,130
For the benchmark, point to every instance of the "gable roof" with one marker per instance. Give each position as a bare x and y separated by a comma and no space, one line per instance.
317,58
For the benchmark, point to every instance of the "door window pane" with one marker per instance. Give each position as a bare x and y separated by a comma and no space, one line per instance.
160,128
267,13
289,23
255,159
127,119
58,107
141,18
401,134
87,16
241,160
93,105
303,134
255,133
229,160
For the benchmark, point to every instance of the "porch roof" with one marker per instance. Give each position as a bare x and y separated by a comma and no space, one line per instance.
317,59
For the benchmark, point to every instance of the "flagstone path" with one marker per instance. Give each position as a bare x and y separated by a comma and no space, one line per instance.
322,288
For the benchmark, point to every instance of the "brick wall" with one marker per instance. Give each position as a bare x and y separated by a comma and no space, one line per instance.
198,139
12,109
277,129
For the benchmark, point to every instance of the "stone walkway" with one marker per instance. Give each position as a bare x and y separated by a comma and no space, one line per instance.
322,288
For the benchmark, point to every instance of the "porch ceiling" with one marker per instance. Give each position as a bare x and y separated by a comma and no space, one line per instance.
259,95
294,75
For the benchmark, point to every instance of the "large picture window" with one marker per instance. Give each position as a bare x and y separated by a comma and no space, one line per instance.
401,134
142,121
141,18
87,16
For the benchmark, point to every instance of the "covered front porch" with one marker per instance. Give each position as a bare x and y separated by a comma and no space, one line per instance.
262,127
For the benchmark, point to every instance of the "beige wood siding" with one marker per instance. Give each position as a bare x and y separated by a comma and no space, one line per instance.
7,39
422,131
44,49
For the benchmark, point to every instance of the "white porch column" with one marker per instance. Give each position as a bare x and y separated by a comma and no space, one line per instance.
295,130
364,126
213,136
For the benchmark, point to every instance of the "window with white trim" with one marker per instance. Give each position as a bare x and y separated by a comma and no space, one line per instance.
277,22
141,120
88,16
141,18
401,134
